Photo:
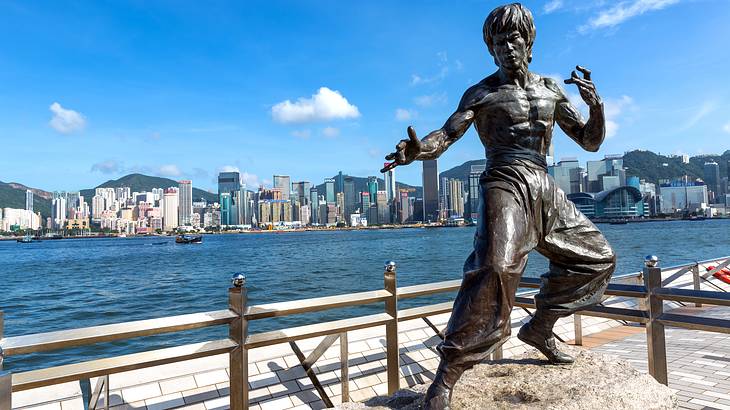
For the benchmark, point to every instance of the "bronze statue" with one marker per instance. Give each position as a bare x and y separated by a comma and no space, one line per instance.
514,111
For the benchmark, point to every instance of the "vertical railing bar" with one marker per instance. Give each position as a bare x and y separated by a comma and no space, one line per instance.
578,329
391,328
344,367
498,353
655,338
696,280
238,357
6,378
106,392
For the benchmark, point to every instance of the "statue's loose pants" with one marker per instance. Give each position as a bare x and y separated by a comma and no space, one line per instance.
522,209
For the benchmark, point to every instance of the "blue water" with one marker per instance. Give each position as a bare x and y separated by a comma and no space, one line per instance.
55,285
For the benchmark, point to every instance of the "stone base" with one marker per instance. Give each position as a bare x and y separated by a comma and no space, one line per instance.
594,381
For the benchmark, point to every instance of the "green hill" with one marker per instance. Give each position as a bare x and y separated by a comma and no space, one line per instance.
12,195
140,183
653,167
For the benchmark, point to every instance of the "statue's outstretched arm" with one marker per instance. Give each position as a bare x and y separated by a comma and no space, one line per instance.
590,134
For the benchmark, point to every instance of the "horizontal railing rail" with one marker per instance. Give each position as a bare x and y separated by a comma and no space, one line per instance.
237,316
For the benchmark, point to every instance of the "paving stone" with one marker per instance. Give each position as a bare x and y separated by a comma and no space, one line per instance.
165,402
141,392
178,384
200,394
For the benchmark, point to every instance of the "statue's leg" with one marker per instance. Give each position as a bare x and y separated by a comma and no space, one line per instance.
581,264
481,316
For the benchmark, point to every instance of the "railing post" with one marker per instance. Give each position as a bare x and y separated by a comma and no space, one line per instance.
391,329
655,341
6,379
345,367
578,329
237,331
696,280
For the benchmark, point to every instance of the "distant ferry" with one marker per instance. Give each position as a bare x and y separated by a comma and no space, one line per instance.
189,239
26,239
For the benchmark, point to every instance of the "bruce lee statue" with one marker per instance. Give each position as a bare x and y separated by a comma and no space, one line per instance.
521,206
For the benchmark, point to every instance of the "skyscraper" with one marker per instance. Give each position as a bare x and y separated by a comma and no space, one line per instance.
283,182
170,209
383,207
474,174
712,179
350,196
186,203
302,191
430,190
339,182
29,200
329,188
58,209
389,178
230,183
372,187
314,203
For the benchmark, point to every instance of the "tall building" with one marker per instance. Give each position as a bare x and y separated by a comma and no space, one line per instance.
350,196
314,204
600,173
681,195
474,191
283,182
170,209
567,175
389,178
329,189
302,191
230,183
58,210
339,182
712,179
29,200
455,189
383,207
340,202
225,208
186,203
372,187
430,190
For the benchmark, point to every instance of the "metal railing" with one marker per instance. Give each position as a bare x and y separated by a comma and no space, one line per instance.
239,341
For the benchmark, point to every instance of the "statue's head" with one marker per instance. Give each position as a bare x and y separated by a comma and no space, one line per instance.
509,32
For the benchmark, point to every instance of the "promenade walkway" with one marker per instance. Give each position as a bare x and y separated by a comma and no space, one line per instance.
699,368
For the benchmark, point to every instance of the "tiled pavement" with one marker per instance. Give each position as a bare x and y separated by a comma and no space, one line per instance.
699,363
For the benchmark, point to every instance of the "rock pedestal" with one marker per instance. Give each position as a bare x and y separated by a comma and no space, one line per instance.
594,381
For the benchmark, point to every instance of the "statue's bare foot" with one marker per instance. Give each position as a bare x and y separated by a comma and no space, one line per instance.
438,397
545,343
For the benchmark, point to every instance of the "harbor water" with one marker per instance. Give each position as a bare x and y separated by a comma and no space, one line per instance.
63,284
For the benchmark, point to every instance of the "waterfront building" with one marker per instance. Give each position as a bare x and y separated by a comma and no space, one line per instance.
600,173
650,198
339,182
372,187
305,214
230,183
331,214
350,196
430,190
365,201
186,202
405,209
12,219
383,207
357,219
58,210
683,196
329,189
170,208
314,204
472,208
712,180
389,178
283,183
340,202
302,190
567,174
29,200
322,218
225,208
456,198
617,203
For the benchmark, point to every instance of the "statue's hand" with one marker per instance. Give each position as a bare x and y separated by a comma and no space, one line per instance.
585,86
406,151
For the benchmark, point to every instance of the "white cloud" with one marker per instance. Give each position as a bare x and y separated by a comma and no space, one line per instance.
330,132
303,134
250,180
623,11
726,127
169,170
325,105
66,121
402,114
110,166
613,108
443,65
702,111
552,6
430,100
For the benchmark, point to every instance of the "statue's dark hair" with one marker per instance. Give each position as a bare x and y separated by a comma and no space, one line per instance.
508,18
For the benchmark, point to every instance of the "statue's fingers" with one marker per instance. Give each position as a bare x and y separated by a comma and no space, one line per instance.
391,156
586,72
388,167
401,158
582,83
412,134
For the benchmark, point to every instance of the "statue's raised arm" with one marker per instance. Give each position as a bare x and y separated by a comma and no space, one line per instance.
590,134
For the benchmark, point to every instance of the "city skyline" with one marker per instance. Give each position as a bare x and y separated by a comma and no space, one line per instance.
188,91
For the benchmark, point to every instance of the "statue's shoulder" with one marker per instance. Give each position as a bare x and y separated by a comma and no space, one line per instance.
551,84
475,95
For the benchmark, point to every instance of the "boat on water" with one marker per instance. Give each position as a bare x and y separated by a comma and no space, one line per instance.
618,222
26,239
189,239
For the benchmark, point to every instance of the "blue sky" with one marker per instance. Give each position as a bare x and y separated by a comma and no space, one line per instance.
93,90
